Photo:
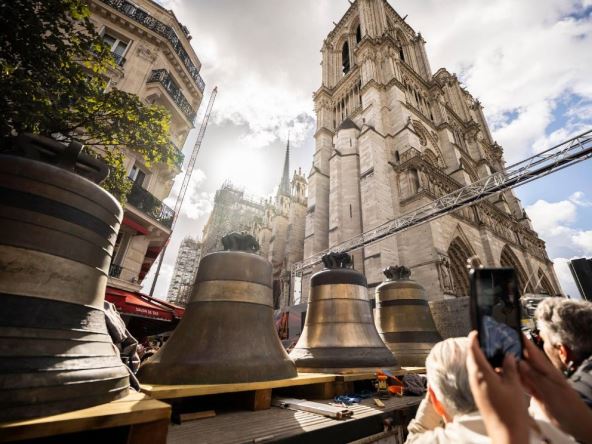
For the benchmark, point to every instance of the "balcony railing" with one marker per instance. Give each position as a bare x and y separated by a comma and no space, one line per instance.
150,205
163,77
166,31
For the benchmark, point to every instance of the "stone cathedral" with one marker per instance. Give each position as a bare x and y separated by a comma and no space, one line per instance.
392,136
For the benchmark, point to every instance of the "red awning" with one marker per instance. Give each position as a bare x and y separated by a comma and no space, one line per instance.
138,304
134,225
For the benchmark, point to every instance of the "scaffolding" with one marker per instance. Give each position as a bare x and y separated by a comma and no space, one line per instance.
556,158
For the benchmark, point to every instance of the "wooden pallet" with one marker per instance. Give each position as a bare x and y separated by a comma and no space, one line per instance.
251,395
282,425
136,418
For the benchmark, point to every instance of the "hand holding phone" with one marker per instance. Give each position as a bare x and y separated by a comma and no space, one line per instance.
496,313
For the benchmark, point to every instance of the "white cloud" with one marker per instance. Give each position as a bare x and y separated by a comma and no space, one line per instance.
520,57
551,219
565,277
583,239
197,205
554,223
196,202
162,285
579,198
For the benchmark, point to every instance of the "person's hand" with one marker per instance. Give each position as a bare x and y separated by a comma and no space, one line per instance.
556,398
498,395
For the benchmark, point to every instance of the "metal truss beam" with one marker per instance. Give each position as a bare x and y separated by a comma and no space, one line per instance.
549,161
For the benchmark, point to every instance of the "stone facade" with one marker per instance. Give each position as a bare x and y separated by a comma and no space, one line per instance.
185,270
156,62
392,136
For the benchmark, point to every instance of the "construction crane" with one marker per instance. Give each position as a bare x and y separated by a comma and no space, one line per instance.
549,161
187,178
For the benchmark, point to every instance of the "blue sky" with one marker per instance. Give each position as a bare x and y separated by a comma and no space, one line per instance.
528,62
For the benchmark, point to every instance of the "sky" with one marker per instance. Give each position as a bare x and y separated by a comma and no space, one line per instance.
528,62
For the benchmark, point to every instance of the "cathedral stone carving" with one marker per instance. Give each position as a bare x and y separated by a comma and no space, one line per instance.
421,136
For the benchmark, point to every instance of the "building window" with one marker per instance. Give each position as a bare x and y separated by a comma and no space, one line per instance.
358,34
345,58
401,53
137,175
414,180
118,47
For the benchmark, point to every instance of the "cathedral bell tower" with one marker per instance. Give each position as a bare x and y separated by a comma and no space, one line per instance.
392,136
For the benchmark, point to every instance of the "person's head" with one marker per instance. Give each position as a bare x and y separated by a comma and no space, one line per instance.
448,381
565,327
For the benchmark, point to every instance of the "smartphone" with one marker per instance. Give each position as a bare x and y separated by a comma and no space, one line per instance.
496,312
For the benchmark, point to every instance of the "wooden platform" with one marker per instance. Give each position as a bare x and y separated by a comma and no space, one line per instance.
287,426
185,391
363,376
145,420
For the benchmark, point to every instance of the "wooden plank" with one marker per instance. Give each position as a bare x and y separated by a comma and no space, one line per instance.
184,417
184,391
260,400
363,376
135,408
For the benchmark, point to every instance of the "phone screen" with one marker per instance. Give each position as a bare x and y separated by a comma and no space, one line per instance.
495,306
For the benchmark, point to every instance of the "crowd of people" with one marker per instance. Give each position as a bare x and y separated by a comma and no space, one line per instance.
545,397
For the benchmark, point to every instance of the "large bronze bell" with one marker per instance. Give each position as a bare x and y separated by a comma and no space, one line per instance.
404,319
57,232
227,334
339,334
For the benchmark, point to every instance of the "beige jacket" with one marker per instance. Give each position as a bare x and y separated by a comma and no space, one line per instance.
428,428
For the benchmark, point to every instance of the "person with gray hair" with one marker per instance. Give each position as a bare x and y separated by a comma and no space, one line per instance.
565,327
449,414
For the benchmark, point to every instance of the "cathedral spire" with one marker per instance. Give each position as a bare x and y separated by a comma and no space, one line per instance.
284,188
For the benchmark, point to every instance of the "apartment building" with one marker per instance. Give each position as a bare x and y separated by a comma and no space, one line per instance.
155,60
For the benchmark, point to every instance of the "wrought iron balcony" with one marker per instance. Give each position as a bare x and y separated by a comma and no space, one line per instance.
163,77
150,205
166,31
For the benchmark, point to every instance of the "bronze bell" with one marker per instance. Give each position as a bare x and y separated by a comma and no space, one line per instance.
57,232
404,319
339,334
227,334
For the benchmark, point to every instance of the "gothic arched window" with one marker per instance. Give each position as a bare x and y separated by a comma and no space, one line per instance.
459,252
358,34
414,180
545,285
345,58
401,53
509,259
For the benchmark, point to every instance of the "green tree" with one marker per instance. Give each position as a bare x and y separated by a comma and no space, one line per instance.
53,82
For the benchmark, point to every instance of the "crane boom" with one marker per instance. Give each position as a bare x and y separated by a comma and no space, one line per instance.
554,159
192,159
186,179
